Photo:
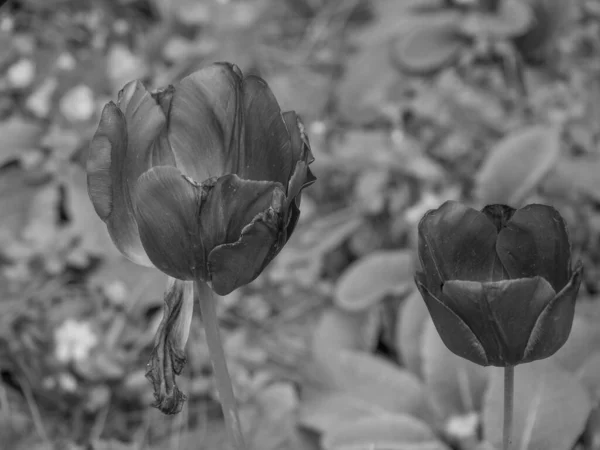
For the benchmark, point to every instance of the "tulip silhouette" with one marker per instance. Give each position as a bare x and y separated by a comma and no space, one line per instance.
201,180
498,283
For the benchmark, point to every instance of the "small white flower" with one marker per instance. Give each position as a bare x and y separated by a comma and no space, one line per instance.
73,341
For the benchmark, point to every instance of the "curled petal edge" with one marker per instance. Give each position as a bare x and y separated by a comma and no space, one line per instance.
236,264
454,332
168,356
545,339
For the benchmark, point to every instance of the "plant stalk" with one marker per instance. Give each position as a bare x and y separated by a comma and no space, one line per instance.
509,387
207,302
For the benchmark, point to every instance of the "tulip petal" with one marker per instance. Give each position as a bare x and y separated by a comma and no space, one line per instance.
234,265
120,151
267,151
167,210
456,243
514,306
455,333
467,300
168,356
232,204
553,325
206,121
535,242
501,314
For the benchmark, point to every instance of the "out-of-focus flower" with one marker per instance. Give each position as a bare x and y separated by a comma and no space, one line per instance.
73,341
498,283
202,180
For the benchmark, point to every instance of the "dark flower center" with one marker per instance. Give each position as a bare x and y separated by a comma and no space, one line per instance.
499,215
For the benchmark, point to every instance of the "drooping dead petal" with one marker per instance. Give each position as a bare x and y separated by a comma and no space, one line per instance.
168,356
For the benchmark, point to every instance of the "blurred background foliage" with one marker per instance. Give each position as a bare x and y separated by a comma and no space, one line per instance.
407,103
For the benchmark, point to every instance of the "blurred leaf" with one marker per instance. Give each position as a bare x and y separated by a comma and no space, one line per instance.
18,136
456,385
583,341
303,91
372,379
344,330
364,93
84,224
589,374
392,17
550,410
430,48
370,279
301,260
513,18
581,174
322,411
392,432
517,163
550,17
412,317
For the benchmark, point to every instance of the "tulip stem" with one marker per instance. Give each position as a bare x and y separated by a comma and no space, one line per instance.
217,358
509,387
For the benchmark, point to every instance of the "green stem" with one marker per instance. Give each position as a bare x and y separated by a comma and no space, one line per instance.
509,387
207,302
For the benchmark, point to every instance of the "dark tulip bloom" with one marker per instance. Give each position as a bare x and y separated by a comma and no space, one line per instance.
498,283
202,179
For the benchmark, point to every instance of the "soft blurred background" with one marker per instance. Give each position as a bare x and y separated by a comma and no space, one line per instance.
407,103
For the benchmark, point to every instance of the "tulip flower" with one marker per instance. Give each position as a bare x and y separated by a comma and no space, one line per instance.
201,180
498,283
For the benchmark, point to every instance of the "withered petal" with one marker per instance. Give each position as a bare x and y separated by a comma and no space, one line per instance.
168,356
167,211
455,333
267,152
234,265
232,204
206,121
456,243
553,325
535,242
115,159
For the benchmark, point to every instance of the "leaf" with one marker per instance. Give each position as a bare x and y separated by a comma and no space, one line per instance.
364,93
581,174
84,224
395,432
370,279
456,385
301,260
412,316
372,379
516,164
428,49
339,330
18,136
581,344
513,18
550,409
589,374
551,16
322,411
